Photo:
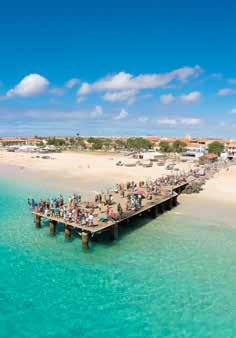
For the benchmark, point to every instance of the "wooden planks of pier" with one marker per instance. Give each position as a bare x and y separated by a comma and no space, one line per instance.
152,208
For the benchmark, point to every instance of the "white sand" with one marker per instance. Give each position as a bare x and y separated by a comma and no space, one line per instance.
216,202
93,171
220,189
89,172
78,171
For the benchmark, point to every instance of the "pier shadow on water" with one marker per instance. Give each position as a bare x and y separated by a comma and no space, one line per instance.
126,229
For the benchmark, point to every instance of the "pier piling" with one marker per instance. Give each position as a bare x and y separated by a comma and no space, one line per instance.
169,204
175,201
85,240
114,232
155,212
161,208
67,232
53,227
37,221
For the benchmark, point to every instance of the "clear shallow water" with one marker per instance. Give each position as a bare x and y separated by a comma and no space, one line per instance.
172,277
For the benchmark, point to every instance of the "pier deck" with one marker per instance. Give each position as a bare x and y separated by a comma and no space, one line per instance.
152,207
102,226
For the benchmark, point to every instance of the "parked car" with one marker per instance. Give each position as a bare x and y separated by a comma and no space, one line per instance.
119,163
170,167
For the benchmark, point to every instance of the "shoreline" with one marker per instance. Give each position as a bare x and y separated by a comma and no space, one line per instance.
73,172
216,200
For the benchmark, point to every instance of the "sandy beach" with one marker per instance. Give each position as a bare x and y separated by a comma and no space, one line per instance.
72,171
217,200
89,173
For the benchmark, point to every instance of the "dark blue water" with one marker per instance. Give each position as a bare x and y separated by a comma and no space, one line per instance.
170,277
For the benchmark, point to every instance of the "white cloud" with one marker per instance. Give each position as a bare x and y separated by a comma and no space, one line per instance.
233,111
121,96
122,115
167,121
30,85
191,121
167,99
232,81
191,97
84,89
71,83
226,92
125,81
97,112
143,119
216,76
80,99
57,91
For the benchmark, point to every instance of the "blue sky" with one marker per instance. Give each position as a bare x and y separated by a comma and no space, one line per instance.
118,68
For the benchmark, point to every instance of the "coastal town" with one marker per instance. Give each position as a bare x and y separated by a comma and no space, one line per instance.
194,147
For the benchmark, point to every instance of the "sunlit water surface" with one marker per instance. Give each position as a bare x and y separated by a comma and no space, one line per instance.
170,277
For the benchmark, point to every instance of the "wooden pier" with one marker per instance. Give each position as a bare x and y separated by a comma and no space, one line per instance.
151,208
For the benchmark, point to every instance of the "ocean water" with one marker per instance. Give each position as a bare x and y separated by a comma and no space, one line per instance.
170,277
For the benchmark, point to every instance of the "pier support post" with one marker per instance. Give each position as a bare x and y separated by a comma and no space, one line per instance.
174,201
162,207
37,221
85,240
155,212
114,232
169,204
53,227
67,232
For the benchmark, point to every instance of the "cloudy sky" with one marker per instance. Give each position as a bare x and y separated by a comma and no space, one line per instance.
130,68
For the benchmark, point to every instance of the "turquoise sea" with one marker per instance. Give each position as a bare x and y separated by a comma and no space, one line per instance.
170,277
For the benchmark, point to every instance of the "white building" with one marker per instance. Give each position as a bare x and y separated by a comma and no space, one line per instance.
195,151
231,149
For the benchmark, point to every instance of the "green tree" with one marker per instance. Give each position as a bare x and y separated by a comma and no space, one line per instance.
91,140
216,147
107,143
138,143
80,143
97,144
178,146
165,147
41,144
120,144
57,142
72,141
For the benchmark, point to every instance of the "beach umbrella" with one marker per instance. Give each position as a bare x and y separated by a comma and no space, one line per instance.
141,192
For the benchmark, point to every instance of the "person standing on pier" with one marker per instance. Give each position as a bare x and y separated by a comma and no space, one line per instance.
119,210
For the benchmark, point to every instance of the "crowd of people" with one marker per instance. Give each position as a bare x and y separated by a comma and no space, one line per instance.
114,204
